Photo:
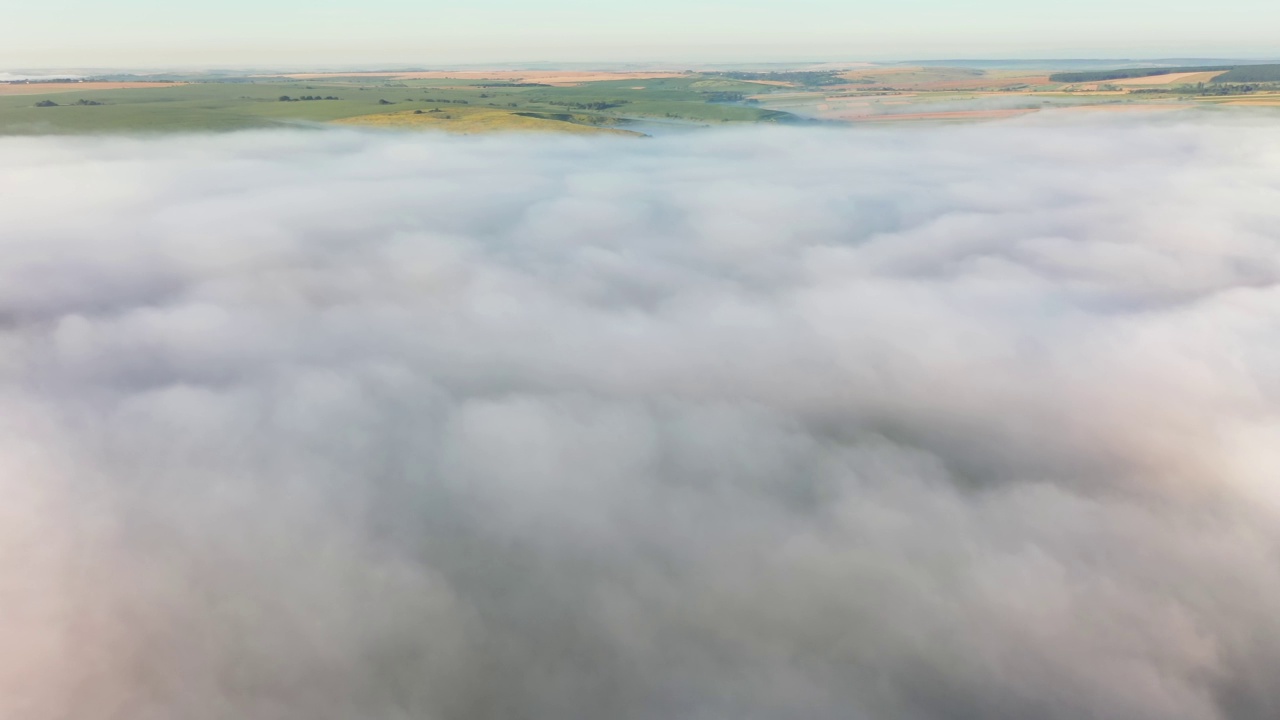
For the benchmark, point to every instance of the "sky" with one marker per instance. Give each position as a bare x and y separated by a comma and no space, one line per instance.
938,423
152,33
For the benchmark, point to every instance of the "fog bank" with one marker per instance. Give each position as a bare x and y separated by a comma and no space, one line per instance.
938,423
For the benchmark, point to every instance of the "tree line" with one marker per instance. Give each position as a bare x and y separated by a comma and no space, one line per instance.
1104,75
812,78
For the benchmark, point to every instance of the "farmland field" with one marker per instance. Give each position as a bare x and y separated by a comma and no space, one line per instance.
1170,79
589,101
273,101
476,120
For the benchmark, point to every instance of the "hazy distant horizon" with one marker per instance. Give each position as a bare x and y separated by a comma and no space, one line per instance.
136,33
15,72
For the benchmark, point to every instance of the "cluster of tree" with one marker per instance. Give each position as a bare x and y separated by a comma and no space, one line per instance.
82,101
1212,90
286,98
598,105
1104,75
595,120
432,111
1250,73
455,102
512,85
562,117
723,97
811,78
43,81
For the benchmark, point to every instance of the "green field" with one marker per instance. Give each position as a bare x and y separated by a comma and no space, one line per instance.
624,103
241,104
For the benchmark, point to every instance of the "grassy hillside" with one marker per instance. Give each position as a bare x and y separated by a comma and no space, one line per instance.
204,106
267,102
510,100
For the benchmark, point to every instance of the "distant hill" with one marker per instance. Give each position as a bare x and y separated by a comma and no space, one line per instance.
1250,73
1234,73
1104,75
1090,64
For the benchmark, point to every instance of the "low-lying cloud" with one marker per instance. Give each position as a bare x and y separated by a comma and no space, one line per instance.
932,424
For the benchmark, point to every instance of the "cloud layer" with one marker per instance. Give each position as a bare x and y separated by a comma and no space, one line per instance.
946,423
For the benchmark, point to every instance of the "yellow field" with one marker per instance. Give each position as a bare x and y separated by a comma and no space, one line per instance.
1186,78
1263,101
469,121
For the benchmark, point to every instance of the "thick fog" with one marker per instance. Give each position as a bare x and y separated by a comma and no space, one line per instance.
949,423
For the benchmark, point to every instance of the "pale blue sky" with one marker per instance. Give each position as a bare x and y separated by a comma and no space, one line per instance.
62,33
